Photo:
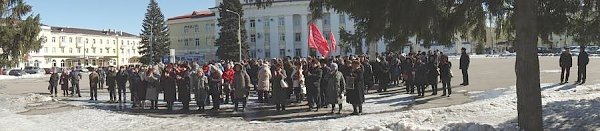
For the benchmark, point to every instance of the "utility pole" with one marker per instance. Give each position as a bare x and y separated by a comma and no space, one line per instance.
239,32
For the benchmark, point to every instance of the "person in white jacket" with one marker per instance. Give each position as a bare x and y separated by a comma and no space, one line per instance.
264,83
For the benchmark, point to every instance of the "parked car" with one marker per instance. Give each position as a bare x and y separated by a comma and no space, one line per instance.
34,70
17,72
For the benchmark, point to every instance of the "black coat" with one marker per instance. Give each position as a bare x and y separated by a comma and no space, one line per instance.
111,79
445,70
313,78
583,59
167,83
420,74
432,73
356,94
183,87
566,60
122,78
464,61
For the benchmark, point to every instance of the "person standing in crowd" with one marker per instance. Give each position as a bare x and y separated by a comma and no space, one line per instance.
335,88
241,87
582,61
216,86
280,89
383,74
433,73
75,77
199,85
121,84
324,82
566,62
355,94
253,69
298,82
420,77
313,85
183,86
64,83
101,78
94,78
445,74
136,86
54,78
464,66
228,80
111,81
153,83
409,75
368,74
264,83
167,83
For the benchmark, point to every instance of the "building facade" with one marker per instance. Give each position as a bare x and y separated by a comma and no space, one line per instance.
193,36
273,32
69,47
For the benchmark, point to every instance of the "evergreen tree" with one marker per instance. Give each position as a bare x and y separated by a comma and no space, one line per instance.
18,35
227,43
155,38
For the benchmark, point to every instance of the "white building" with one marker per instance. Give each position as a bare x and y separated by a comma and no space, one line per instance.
68,47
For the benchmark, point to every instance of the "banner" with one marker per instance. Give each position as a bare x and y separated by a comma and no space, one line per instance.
315,38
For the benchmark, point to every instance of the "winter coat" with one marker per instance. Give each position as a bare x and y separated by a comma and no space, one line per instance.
280,94
421,74
335,88
445,71
153,82
241,84
167,83
583,59
313,78
264,79
136,84
432,73
200,87
183,87
54,78
111,80
356,93
94,79
464,61
75,77
566,60
64,81
122,78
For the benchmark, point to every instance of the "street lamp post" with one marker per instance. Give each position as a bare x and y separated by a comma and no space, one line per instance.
239,32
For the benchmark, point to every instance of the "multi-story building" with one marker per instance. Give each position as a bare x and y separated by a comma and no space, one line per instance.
69,47
193,36
276,31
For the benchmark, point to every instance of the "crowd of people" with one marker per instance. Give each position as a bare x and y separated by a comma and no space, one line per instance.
322,82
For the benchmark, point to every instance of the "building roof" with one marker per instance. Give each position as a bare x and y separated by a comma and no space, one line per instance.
110,32
194,14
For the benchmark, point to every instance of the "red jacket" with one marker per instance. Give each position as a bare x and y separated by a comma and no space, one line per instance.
228,75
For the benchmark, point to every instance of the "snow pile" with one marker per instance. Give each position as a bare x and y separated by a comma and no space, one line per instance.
17,104
28,76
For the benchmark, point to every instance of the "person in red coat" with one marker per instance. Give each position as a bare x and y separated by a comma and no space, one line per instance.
228,78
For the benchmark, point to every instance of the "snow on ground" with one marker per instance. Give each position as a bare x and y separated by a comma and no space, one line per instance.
566,107
28,76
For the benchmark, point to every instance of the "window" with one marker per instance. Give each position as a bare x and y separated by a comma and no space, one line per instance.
267,22
62,50
252,38
207,27
128,51
78,50
298,52
267,37
107,51
100,41
70,39
101,51
185,42
70,50
282,37
114,50
87,50
94,41
133,50
197,41
53,49
296,22
36,63
86,40
62,63
281,52
281,21
185,29
122,42
53,39
298,37
342,19
122,51
45,49
114,42
196,28
62,39
252,23
127,42
267,53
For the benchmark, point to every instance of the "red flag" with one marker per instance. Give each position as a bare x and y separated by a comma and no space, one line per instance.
311,40
318,40
333,42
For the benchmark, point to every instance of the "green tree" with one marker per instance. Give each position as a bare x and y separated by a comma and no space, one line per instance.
18,31
351,40
155,37
227,43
